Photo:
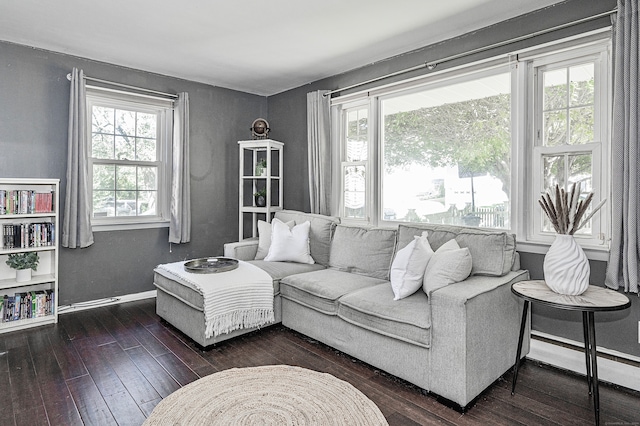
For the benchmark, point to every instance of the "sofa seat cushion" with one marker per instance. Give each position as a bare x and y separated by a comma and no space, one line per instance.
374,309
279,270
320,290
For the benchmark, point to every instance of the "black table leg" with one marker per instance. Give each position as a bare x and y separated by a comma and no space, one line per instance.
523,325
594,366
587,356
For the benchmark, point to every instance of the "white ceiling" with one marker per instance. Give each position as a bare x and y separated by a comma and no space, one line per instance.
256,46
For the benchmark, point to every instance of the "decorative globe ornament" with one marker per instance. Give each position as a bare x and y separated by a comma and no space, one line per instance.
260,128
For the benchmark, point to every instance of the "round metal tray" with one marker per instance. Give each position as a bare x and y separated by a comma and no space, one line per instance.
210,265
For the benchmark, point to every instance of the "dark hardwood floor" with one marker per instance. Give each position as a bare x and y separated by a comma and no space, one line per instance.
114,364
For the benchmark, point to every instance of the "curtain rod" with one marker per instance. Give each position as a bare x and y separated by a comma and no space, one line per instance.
126,86
432,64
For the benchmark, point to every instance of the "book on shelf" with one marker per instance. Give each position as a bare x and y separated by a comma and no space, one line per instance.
27,305
26,202
27,235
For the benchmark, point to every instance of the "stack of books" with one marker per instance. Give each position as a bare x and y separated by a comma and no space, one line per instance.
25,305
25,202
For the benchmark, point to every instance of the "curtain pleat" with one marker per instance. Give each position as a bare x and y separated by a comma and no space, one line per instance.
180,221
76,225
624,258
319,148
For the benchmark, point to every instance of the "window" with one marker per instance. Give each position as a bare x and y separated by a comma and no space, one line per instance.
446,152
569,133
129,138
354,166
477,146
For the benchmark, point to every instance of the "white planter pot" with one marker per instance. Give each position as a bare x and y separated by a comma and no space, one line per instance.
566,267
23,275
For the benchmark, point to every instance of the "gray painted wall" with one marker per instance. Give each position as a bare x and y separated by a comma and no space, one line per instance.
287,115
34,96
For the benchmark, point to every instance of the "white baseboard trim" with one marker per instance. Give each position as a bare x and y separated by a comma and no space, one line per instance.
610,371
92,304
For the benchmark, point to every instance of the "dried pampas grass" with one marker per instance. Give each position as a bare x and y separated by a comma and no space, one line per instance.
565,209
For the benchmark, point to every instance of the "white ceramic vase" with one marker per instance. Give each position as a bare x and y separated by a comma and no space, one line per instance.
23,275
566,267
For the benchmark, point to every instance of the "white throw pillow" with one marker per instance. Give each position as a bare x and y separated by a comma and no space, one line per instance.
407,269
289,245
449,264
264,238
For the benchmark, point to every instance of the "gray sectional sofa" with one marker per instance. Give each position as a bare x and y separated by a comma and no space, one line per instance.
454,343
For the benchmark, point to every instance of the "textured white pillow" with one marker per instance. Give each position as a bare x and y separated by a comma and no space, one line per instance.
449,264
289,245
264,238
407,269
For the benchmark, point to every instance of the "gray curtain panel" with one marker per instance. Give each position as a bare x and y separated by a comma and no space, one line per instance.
624,259
319,148
180,221
76,225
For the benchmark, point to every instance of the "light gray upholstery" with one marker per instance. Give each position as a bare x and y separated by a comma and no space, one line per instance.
373,308
320,290
454,343
492,252
364,251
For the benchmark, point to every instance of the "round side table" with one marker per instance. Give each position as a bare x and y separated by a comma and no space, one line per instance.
595,299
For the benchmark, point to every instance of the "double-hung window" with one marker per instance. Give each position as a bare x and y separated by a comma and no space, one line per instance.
570,133
129,158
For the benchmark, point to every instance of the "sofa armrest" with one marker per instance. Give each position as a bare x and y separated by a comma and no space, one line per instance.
242,250
474,335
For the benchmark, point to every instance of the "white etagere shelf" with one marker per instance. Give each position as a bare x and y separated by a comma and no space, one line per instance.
252,152
45,277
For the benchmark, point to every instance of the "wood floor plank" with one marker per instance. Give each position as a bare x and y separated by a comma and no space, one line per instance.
91,405
187,354
25,393
132,379
159,378
69,360
178,369
59,405
119,331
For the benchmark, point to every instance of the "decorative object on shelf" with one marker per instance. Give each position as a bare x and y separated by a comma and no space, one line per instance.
209,265
261,167
566,267
23,263
260,198
260,128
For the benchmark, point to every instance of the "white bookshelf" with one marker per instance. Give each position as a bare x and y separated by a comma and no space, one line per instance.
251,152
46,276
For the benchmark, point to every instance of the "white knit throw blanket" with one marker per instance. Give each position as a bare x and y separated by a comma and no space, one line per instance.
237,299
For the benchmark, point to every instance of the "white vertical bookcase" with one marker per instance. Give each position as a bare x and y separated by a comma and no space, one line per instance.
45,278
252,180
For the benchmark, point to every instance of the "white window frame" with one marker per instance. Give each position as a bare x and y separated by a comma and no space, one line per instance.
599,53
524,154
163,108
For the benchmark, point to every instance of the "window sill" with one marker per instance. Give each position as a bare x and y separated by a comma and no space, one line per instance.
600,253
123,226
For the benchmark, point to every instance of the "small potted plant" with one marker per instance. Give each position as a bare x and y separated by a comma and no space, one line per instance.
260,198
261,167
23,263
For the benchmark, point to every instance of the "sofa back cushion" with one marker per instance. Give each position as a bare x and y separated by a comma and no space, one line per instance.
363,250
320,231
492,252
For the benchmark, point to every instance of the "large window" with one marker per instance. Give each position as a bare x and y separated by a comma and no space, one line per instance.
129,156
478,146
446,153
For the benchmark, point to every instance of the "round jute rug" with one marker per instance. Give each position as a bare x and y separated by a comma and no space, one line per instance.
269,395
